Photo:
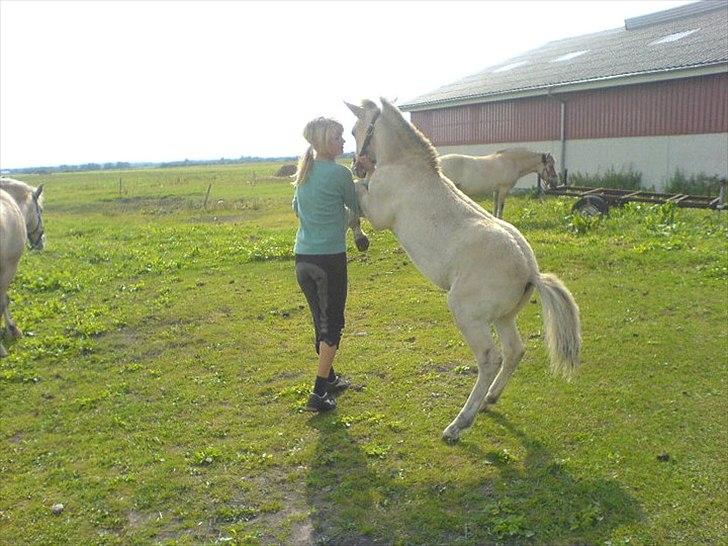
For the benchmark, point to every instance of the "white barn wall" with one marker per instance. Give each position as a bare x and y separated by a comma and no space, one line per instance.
655,157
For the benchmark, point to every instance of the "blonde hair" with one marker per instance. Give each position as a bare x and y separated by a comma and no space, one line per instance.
317,133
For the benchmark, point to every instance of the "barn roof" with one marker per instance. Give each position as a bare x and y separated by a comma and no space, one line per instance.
689,37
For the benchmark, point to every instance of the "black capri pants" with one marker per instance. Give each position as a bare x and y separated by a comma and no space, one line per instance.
323,280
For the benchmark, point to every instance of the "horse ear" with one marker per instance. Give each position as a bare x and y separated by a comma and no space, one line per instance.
388,106
544,157
357,110
386,103
38,191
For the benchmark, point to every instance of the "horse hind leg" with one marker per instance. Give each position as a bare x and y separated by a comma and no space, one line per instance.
11,328
477,335
512,354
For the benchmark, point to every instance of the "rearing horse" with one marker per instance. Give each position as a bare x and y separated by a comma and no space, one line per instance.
496,174
484,264
21,220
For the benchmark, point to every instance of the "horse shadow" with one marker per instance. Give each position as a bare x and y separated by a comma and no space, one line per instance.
537,502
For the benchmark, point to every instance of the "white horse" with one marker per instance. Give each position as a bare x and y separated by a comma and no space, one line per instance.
484,264
496,174
21,220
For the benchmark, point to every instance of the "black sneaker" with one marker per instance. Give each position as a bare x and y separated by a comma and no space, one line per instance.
320,403
337,385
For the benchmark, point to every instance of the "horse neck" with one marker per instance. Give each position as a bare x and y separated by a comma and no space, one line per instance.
527,163
390,147
22,199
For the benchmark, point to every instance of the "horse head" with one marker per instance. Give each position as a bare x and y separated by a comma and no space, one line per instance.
363,132
547,171
34,220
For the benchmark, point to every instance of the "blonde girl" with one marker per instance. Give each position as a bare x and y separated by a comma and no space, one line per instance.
323,189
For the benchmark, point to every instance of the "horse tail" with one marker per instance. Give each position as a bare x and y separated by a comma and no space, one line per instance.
562,329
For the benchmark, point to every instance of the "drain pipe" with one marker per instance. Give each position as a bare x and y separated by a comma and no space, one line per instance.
562,136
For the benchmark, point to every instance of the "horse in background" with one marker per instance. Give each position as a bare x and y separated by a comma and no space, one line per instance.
485,265
21,222
496,174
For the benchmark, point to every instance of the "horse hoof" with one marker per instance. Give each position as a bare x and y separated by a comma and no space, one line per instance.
14,332
451,434
362,244
3,352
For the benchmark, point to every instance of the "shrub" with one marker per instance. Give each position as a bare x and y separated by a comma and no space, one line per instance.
695,184
626,180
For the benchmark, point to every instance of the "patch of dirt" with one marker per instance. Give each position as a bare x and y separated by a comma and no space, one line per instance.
16,438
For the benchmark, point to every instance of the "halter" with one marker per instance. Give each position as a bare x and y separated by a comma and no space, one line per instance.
367,139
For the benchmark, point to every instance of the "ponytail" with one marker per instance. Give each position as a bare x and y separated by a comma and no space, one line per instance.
304,167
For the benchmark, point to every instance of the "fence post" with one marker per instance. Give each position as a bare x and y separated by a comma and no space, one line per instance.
204,205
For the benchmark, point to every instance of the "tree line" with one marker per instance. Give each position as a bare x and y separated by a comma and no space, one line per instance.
124,165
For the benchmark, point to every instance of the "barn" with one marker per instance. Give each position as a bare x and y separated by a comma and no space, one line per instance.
650,97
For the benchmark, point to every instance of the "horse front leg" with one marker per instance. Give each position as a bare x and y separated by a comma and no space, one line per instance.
495,202
378,214
360,238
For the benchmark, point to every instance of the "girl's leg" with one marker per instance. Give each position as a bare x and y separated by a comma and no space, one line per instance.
326,359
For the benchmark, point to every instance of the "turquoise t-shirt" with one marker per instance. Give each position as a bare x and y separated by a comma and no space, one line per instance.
319,204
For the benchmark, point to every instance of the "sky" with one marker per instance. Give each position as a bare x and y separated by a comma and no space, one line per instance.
106,81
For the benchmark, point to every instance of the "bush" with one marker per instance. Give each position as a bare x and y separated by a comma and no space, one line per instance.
625,180
695,184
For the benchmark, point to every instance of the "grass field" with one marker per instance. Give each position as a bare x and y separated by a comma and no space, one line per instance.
158,391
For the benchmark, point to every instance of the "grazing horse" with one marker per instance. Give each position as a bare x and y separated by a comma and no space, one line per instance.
21,220
496,174
484,264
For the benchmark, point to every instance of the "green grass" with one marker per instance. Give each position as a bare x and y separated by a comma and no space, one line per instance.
158,391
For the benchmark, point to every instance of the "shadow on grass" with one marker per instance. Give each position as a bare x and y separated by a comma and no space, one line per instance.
534,501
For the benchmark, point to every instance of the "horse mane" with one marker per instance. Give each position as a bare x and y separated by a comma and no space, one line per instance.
518,152
17,189
408,132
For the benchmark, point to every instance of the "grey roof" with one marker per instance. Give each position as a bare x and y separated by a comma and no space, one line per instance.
690,36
